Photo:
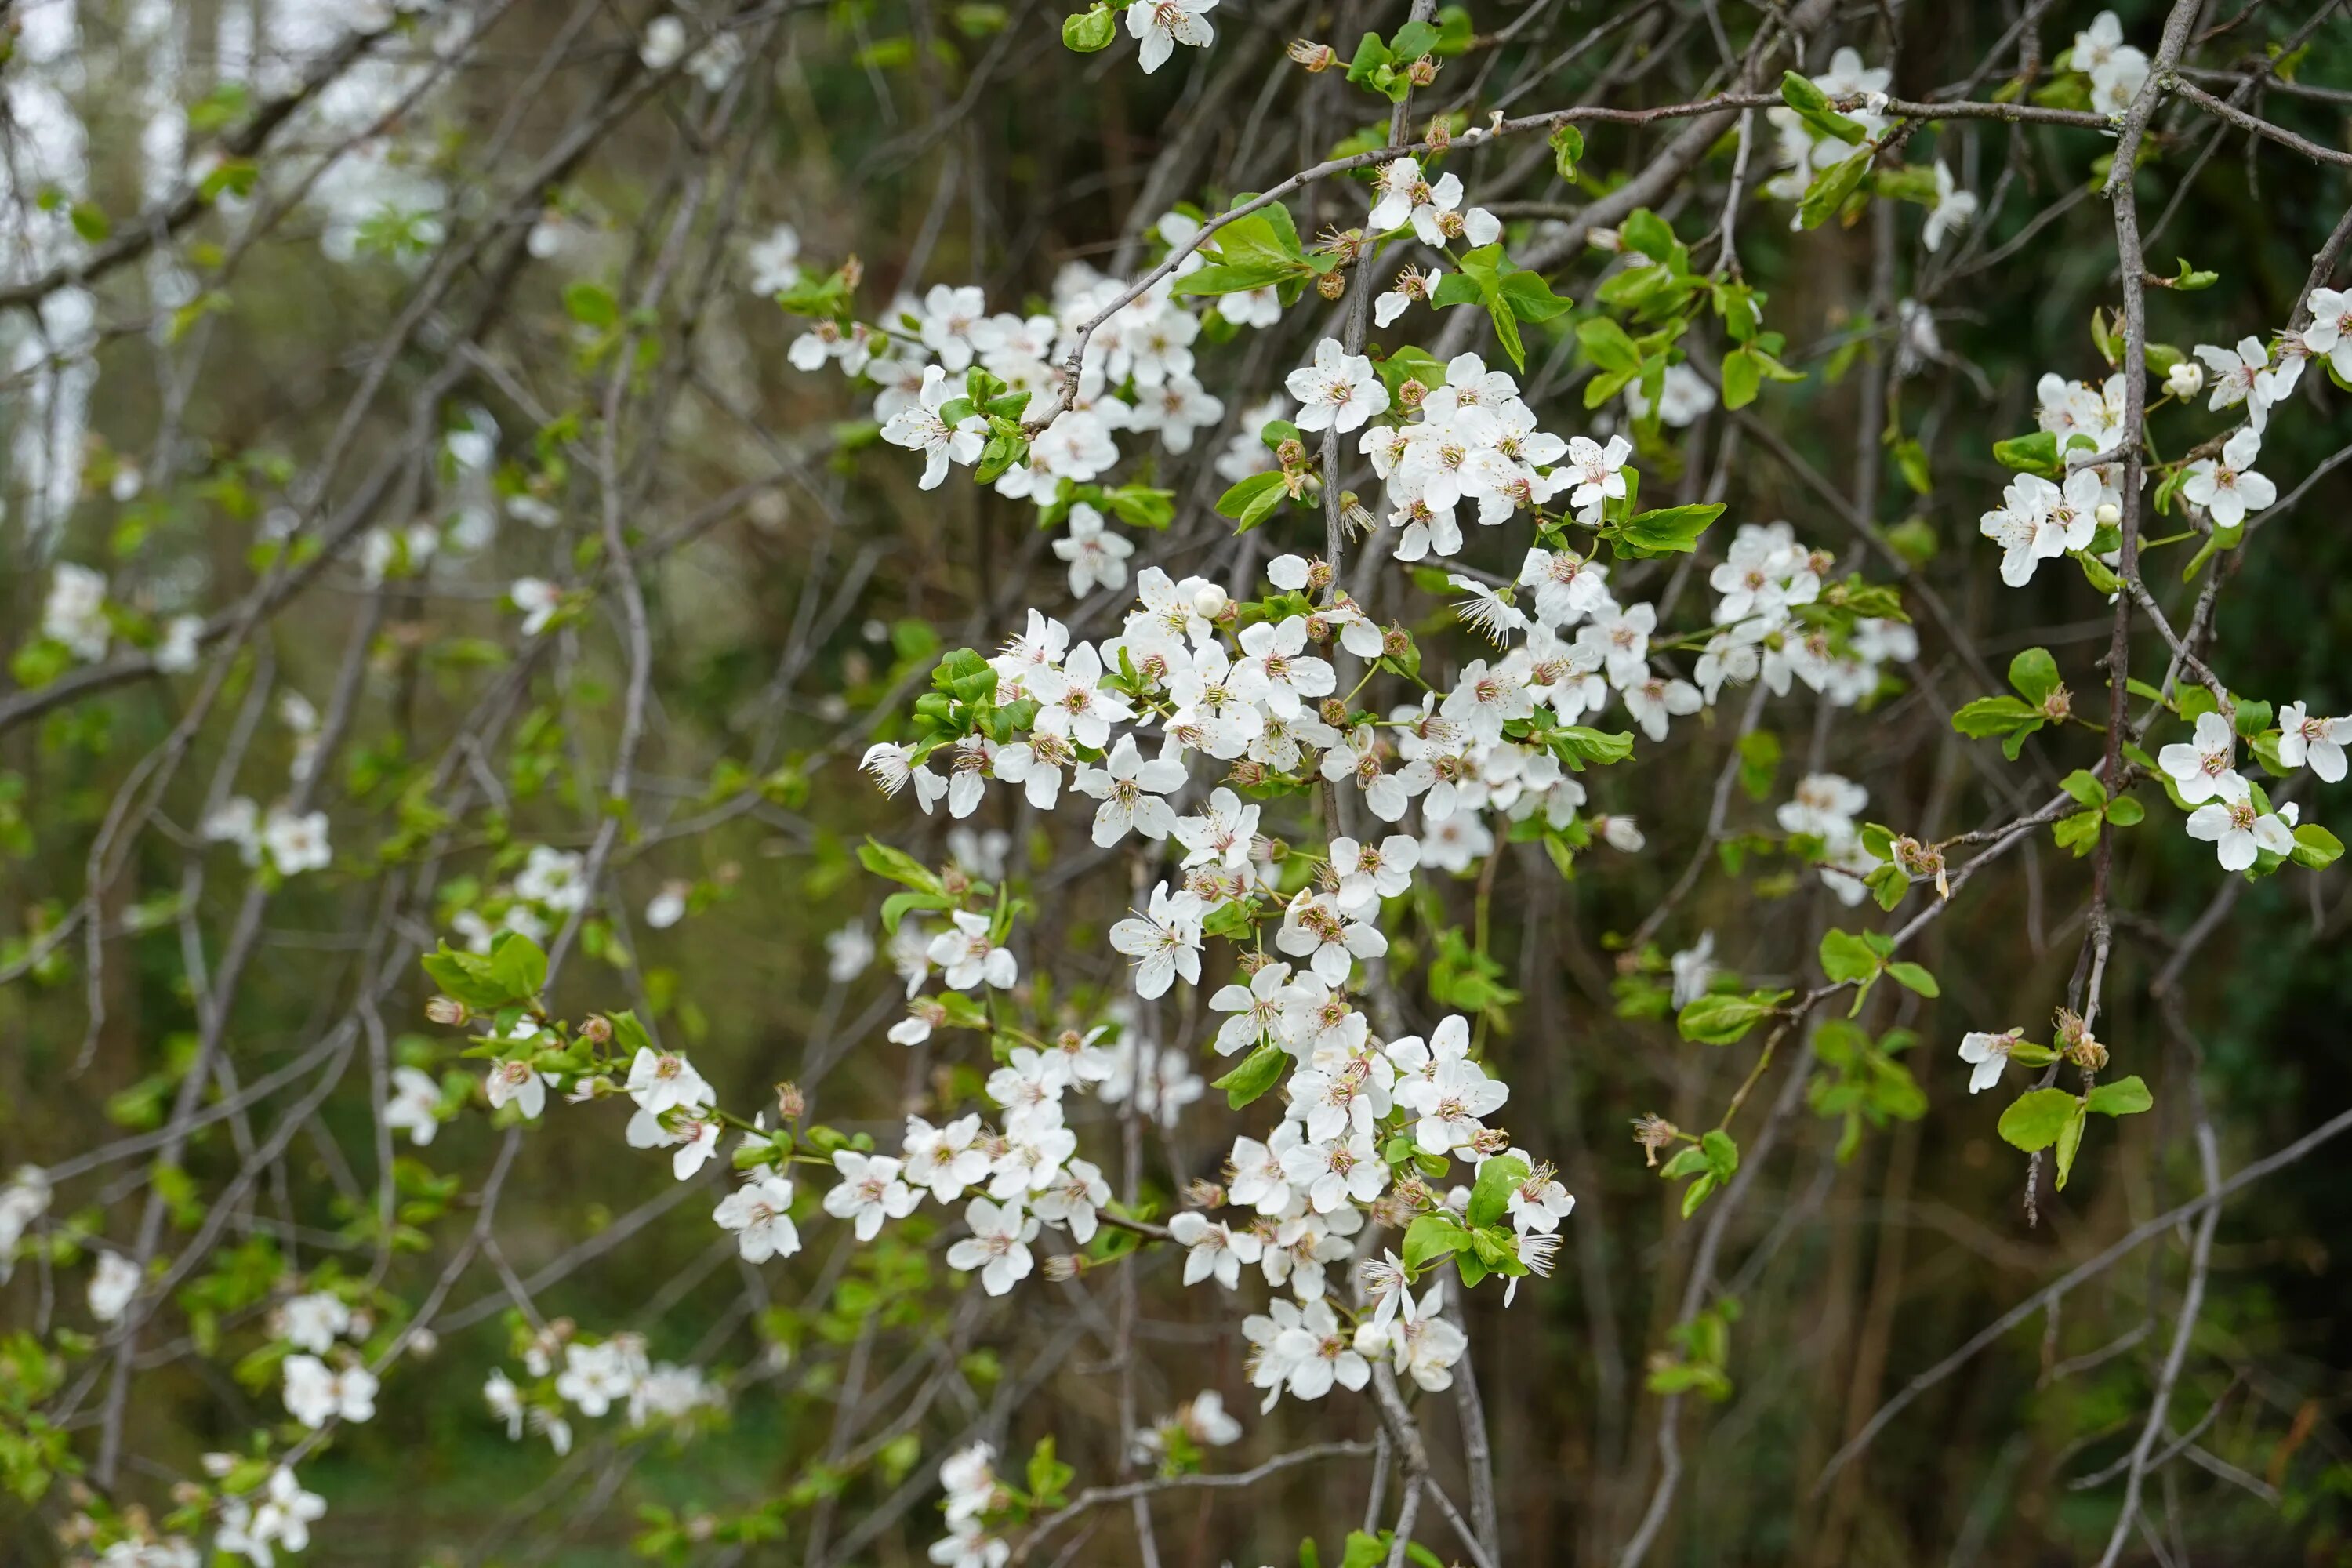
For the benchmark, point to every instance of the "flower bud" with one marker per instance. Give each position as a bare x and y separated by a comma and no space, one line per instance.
2185,379
1210,601
1313,57
790,1104
2109,514
1334,712
423,1342
447,1011
596,1030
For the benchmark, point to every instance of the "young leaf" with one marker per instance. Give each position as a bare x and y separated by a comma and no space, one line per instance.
1675,527
1914,977
1742,378
1831,187
1720,1020
1568,150
2070,1144
1432,1236
2316,848
1846,958
1490,1199
2034,674
1812,105
2034,454
2125,1097
1607,346
1252,501
2037,1118
1257,1072
1996,716
1088,31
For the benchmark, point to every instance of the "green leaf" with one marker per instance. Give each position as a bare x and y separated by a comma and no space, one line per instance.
1568,150
1846,958
2124,811
2316,848
1531,296
1607,346
1234,277
895,907
1697,1194
2084,785
1996,716
2078,834
1742,378
2125,1097
2188,282
1258,1071
1490,1199
2070,1144
1456,289
1432,1236
1914,977
897,865
1812,105
1252,501
1721,1019
1721,1155
2034,454
1412,40
1140,506
464,976
1675,527
1831,187
1266,237
2037,1118
591,305
1650,234
518,964
1911,458
1048,1475
2034,674
1576,746
1088,31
